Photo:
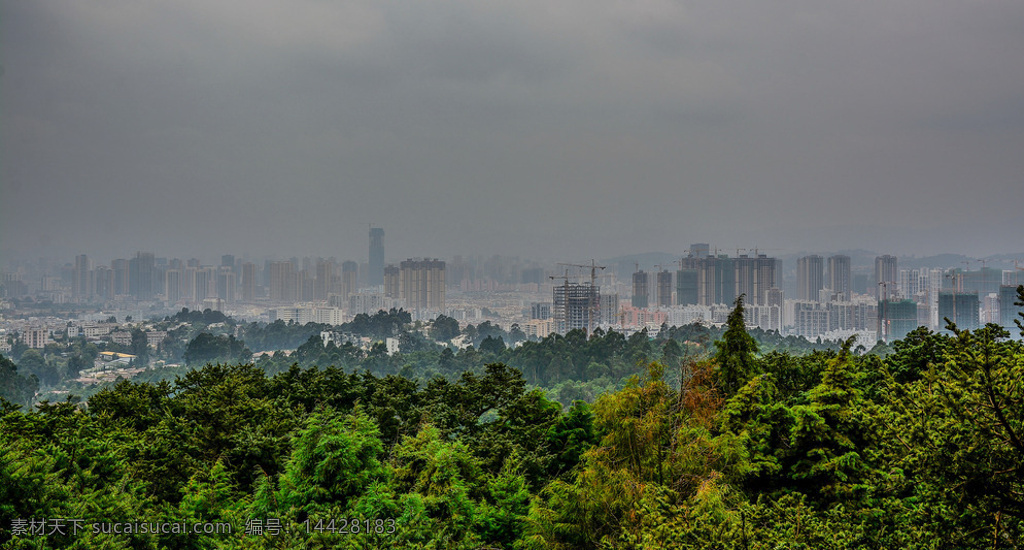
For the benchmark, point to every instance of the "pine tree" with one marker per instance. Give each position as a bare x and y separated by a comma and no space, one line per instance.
736,352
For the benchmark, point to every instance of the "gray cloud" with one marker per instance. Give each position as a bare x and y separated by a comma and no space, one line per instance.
570,128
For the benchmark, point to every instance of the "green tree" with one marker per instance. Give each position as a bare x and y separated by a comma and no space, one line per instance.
1019,302
571,436
335,458
14,387
444,475
33,363
958,433
492,345
444,328
736,352
206,348
832,433
140,347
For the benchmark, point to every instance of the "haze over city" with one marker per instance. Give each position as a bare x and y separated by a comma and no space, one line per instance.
580,129
583,129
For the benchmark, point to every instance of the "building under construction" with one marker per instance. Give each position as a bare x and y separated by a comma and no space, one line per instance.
576,305
640,289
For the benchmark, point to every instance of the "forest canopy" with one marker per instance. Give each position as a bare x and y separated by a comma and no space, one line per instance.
737,447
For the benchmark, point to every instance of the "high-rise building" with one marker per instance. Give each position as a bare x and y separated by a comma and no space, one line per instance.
810,319
839,278
375,277
608,309
640,289
422,284
755,276
540,310
248,281
104,282
11,285
961,308
986,280
700,250
896,319
721,279
664,279
886,276
121,277
205,284
1008,310
349,278
810,277
141,273
777,299
575,306
910,282
188,282
172,285
304,285
934,285
686,287
283,281
392,281
324,276
82,282
226,283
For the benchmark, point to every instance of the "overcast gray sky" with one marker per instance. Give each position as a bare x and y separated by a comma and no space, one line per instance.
575,128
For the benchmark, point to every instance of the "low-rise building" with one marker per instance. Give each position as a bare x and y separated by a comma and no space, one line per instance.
35,337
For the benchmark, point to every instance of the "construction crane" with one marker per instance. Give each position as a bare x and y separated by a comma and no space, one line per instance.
592,265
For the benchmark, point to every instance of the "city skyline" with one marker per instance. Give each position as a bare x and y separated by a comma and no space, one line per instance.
870,297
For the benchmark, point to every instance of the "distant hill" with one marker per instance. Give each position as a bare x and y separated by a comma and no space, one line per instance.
860,259
625,266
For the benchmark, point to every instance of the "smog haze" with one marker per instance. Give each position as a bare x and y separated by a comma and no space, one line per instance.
581,129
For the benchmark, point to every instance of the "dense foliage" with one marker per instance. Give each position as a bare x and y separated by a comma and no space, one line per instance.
746,449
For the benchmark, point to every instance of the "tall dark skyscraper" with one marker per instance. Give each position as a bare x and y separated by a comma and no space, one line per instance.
664,288
687,293
640,289
376,275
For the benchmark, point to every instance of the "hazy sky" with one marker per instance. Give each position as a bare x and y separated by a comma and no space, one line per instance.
575,128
